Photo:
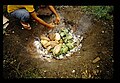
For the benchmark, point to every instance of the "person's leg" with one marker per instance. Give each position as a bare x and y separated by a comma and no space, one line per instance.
24,16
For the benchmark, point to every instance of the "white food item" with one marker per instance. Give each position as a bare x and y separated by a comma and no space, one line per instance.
57,36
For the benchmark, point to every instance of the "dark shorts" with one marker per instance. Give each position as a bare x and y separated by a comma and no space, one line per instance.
21,14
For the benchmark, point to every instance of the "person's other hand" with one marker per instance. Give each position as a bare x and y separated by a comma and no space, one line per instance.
57,20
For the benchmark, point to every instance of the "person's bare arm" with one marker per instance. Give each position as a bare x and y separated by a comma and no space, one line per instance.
54,11
33,14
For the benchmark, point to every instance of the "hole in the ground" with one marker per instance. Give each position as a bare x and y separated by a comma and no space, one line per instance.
58,43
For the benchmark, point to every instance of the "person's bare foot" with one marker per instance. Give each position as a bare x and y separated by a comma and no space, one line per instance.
26,25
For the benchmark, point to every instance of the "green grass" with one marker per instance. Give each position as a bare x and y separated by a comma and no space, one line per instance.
101,12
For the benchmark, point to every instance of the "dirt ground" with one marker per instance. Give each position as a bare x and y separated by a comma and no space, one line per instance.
97,42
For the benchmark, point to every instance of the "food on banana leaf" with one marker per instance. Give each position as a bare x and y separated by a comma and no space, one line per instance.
65,35
56,49
61,41
62,34
65,40
51,36
43,42
58,43
63,49
43,37
70,45
51,50
53,43
47,44
68,36
48,48
64,30
70,41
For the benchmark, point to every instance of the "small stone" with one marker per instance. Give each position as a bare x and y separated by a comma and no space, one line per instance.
60,64
67,54
112,60
26,38
73,71
48,56
71,31
105,23
3,61
81,38
94,72
6,33
89,76
97,71
96,59
98,42
46,52
44,71
78,36
98,66
57,57
13,32
103,31
40,52
12,62
86,71
61,57
79,47
37,44
48,59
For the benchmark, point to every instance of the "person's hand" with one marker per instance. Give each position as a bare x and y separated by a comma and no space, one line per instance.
57,20
51,25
